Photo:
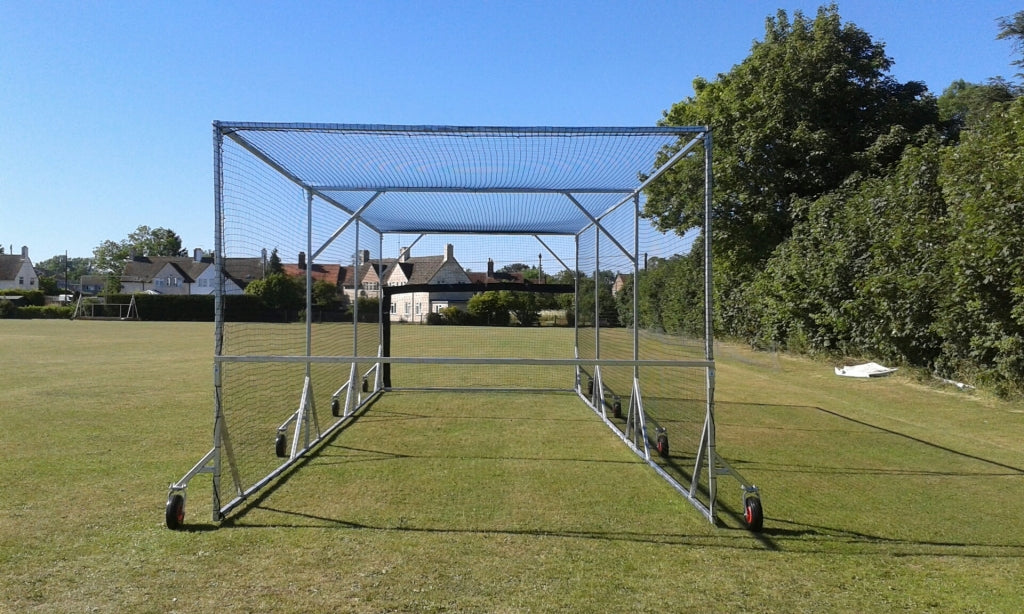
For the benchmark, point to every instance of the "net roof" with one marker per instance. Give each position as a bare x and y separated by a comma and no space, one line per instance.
459,179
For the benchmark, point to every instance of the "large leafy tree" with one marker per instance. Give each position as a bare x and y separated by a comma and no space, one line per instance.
983,320
866,269
60,265
110,255
1012,28
279,292
964,104
490,308
812,105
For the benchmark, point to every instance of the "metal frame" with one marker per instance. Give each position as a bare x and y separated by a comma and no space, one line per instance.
304,423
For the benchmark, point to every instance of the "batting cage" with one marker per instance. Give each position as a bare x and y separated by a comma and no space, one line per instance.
356,260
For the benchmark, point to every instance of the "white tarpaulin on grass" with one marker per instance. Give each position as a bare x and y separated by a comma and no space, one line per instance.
868,369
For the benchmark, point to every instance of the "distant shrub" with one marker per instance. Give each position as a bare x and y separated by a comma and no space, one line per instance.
30,297
34,312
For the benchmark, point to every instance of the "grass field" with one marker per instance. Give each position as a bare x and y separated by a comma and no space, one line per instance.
880,495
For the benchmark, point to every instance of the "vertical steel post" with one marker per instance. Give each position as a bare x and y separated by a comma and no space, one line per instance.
709,341
381,311
576,298
597,301
309,277
218,307
355,300
636,283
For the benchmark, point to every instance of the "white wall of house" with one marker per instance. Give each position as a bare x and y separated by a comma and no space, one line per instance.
25,279
167,281
450,273
206,283
412,307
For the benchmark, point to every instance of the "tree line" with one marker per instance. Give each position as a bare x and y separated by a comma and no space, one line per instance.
853,214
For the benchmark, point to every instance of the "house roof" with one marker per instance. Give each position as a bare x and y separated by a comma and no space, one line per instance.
146,268
367,271
10,265
417,269
498,277
331,273
243,270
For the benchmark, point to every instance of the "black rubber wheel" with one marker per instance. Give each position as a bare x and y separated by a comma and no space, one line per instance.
617,409
335,408
753,515
280,444
663,445
590,386
366,385
174,514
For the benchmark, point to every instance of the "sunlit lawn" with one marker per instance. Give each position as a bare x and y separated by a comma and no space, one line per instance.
880,495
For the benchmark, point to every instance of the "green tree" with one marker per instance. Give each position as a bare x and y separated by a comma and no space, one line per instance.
59,265
49,285
607,309
110,256
275,266
865,269
525,306
811,105
325,294
278,292
369,309
1012,28
490,308
982,320
963,104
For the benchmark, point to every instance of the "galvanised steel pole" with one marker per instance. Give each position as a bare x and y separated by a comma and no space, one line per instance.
218,308
709,341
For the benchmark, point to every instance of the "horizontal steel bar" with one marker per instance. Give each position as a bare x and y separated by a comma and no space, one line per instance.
467,190
475,389
453,360
228,126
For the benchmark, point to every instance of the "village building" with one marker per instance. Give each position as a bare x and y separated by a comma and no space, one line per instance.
17,272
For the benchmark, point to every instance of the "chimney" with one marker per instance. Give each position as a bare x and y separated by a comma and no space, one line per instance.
302,260
403,254
449,252
364,256
490,268
24,251
197,254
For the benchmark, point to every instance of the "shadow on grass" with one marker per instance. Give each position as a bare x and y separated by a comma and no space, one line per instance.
777,535
1011,469
912,547
402,416
372,455
726,538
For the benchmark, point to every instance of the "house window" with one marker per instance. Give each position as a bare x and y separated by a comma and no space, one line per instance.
417,308
21,281
407,309
371,285
394,307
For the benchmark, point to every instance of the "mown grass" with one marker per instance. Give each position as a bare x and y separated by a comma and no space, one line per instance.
881,495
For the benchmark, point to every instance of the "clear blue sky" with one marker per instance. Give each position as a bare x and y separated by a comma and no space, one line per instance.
106,107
